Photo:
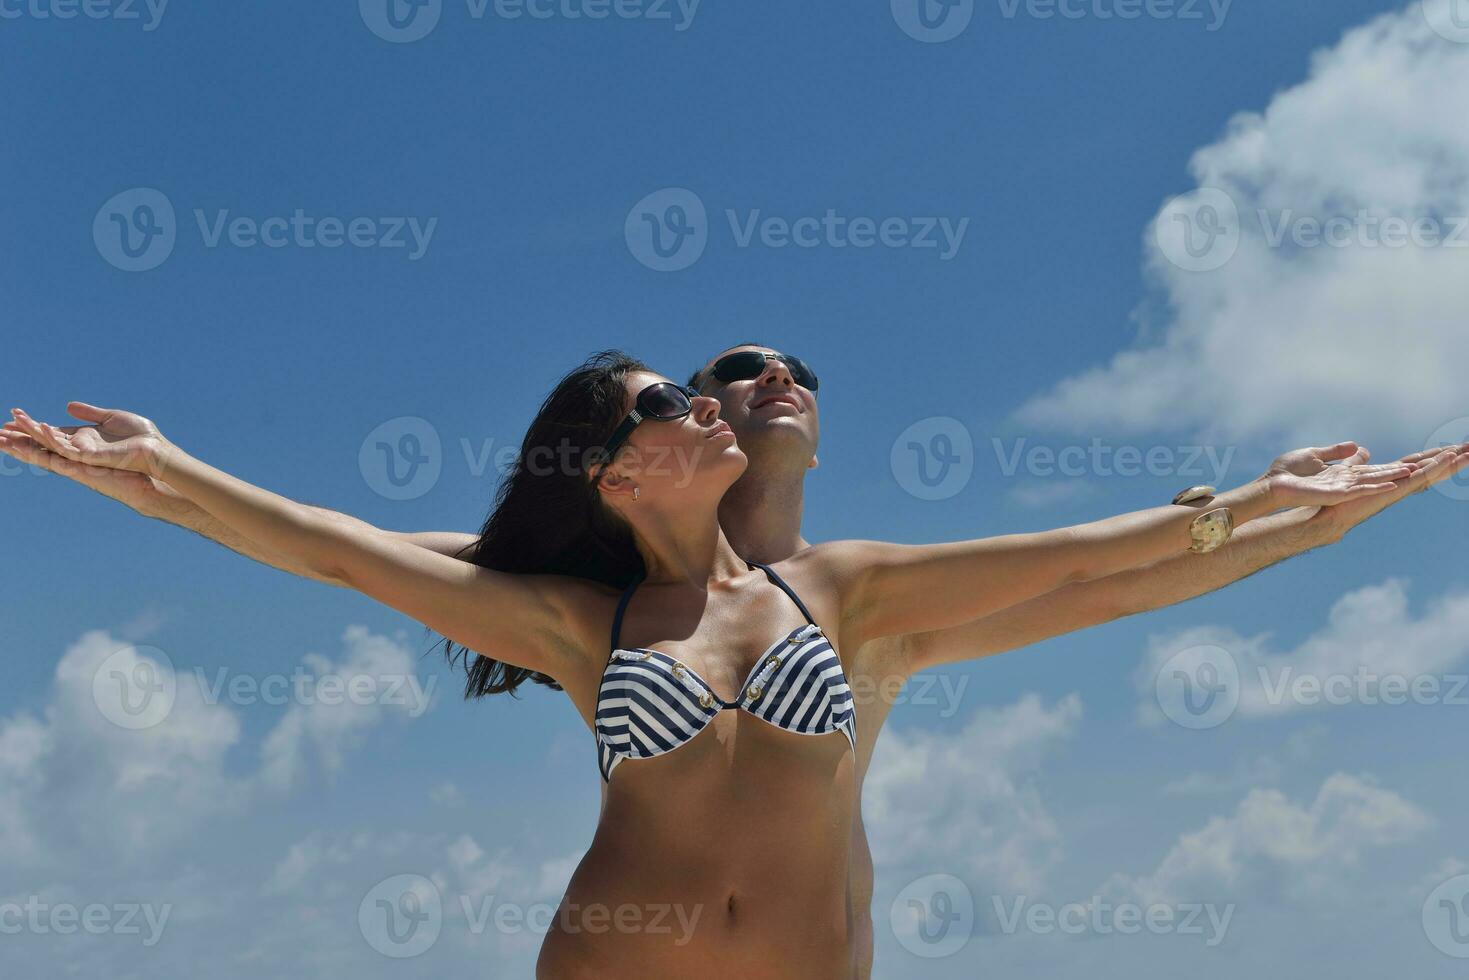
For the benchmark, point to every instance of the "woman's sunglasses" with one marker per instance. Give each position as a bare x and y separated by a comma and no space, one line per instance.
746,364
662,402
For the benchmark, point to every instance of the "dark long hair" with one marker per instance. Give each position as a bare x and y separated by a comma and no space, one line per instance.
547,518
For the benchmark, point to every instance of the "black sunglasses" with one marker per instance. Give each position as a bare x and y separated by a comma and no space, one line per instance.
746,364
662,402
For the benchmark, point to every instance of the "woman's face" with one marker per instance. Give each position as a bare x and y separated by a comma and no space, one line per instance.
690,457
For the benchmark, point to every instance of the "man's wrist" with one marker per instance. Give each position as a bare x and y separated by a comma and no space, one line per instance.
1326,527
171,508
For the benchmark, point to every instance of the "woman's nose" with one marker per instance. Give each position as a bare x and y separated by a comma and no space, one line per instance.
706,409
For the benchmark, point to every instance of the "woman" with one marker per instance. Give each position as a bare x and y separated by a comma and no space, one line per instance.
714,688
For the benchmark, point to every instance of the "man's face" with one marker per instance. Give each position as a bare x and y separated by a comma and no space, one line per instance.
769,413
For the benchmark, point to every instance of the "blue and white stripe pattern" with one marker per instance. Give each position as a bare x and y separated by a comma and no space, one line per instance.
650,703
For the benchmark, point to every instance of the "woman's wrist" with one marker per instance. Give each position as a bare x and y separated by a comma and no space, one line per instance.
158,455
1248,501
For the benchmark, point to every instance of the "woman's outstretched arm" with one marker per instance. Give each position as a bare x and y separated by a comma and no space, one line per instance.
155,499
887,589
1261,544
533,621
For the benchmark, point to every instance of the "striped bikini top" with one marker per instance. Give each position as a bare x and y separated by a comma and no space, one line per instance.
649,703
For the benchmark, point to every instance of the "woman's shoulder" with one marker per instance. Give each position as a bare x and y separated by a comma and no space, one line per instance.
583,610
832,558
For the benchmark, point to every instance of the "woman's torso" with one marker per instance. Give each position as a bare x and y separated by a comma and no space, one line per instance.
729,855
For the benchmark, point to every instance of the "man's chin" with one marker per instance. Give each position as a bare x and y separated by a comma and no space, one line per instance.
776,430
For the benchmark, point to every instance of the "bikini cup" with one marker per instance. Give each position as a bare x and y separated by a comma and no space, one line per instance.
651,703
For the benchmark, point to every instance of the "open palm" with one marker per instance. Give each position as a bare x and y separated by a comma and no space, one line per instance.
1431,466
117,440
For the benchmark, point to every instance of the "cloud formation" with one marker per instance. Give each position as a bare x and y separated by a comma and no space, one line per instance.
1316,326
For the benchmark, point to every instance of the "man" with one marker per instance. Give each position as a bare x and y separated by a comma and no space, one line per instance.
761,515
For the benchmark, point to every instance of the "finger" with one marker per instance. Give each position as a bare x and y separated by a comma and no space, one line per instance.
28,451
1377,468
1424,455
55,443
68,429
23,449
90,413
30,427
1339,451
1385,470
1445,466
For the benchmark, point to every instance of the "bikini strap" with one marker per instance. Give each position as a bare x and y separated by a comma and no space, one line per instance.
770,574
622,607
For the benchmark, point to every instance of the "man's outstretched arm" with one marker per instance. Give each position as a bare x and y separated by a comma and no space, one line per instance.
1257,545
152,499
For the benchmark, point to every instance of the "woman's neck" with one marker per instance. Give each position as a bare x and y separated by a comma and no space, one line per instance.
686,547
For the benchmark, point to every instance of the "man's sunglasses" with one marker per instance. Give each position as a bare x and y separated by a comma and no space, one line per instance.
746,364
662,402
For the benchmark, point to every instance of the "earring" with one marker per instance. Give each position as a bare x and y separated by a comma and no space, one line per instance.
636,491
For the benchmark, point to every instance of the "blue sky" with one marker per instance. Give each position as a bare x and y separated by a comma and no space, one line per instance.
526,152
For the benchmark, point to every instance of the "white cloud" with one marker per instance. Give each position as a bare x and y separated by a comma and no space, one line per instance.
1315,843
342,702
1262,770
1450,867
81,791
962,801
75,787
1312,345
1372,650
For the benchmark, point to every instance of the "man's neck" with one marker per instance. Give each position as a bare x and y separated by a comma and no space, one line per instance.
762,517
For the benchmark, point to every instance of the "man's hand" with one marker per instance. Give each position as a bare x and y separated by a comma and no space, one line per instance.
142,493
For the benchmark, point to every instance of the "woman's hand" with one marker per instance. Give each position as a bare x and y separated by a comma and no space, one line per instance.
137,491
1311,477
1433,466
118,440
